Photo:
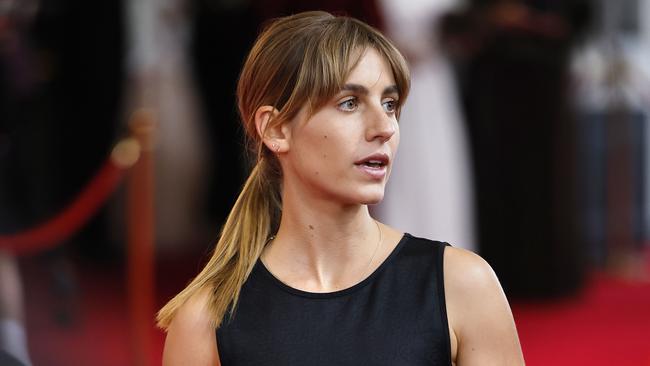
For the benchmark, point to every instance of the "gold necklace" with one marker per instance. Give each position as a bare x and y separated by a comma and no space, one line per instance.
381,239
379,242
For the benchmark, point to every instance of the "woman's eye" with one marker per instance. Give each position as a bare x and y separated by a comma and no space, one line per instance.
348,105
390,106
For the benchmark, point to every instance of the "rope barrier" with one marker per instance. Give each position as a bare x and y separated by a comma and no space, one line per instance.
63,225
136,152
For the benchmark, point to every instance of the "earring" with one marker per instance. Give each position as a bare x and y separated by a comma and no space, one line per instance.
275,147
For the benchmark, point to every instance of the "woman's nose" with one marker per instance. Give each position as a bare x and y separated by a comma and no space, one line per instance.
381,125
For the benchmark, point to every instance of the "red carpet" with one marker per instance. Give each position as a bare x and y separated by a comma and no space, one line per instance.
607,324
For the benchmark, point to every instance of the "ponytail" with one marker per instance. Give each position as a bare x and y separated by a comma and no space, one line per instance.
252,220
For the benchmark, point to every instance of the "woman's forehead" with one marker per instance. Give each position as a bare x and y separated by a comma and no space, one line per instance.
370,70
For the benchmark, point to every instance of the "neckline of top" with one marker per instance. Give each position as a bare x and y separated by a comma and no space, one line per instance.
337,293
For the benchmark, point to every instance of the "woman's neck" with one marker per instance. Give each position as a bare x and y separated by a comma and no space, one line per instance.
322,246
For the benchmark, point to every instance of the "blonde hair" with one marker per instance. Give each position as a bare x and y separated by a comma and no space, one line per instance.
299,60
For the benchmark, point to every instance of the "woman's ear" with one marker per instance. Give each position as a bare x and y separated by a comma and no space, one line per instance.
274,136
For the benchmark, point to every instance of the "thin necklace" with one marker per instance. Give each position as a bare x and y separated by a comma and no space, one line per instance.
381,239
379,242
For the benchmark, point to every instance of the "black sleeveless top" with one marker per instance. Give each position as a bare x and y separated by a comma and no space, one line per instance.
396,317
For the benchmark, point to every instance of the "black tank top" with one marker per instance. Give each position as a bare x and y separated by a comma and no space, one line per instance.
396,316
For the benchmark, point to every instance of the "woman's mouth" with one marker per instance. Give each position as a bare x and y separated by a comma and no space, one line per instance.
374,166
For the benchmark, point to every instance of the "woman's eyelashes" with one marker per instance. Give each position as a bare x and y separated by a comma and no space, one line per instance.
352,104
349,104
390,106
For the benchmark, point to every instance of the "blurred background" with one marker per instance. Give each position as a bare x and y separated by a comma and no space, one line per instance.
524,139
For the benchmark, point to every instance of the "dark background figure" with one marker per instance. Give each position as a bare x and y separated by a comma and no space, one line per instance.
512,58
61,86
29,151
60,83
612,88
84,55
223,32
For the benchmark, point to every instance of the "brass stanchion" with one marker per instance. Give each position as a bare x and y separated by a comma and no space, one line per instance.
140,240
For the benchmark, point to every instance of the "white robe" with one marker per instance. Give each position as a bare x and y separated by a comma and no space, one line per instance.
430,191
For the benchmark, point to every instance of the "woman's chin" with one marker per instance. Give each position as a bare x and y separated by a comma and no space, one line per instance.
372,198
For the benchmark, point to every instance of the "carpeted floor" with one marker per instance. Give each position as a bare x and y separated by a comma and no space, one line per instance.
607,324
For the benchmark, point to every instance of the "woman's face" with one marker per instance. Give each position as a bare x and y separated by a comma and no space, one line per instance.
345,150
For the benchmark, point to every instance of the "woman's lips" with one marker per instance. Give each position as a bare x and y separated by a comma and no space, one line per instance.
379,158
374,172
374,166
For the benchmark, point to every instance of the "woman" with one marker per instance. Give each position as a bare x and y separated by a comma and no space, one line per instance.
302,275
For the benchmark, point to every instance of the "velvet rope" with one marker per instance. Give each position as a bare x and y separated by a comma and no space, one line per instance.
67,222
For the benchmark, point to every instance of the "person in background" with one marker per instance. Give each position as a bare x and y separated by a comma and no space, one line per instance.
434,170
13,337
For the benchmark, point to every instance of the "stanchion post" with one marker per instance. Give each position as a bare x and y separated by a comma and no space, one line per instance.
140,241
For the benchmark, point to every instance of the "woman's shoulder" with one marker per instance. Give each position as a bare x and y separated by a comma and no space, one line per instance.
194,311
467,269
470,282
191,335
482,328
462,268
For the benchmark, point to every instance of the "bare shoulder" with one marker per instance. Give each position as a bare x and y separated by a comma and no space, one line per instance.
480,320
191,337
467,272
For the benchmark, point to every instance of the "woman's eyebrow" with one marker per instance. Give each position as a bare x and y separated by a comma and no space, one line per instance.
391,90
360,89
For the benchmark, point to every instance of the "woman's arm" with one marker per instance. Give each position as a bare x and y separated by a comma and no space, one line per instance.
191,338
481,324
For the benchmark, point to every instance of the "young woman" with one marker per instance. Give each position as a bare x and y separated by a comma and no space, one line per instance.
302,275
